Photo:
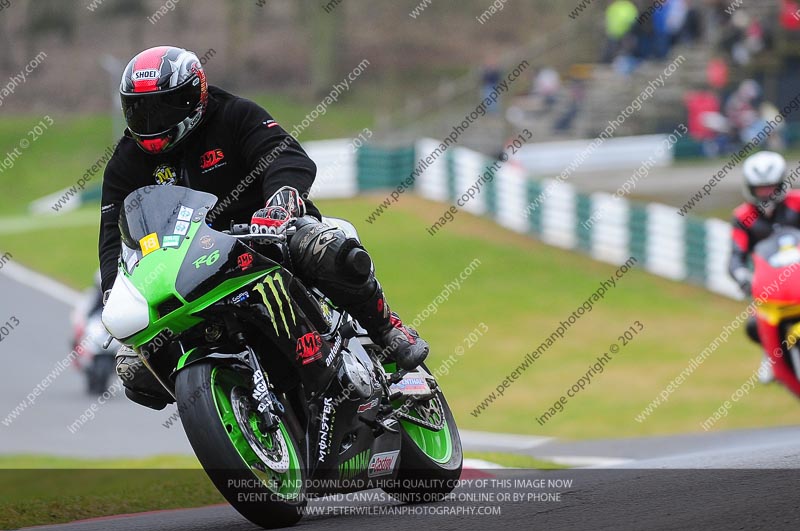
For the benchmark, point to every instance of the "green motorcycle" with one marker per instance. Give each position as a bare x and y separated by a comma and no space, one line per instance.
282,396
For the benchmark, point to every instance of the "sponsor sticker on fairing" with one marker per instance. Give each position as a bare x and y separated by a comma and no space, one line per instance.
207,242
181,227
240,298
149,244
363,408
185,213
382,464
172,241
411,386
334,351
245,261
309,348
325,427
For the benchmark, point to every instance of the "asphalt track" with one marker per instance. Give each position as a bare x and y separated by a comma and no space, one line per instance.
745,479
30,354
673,185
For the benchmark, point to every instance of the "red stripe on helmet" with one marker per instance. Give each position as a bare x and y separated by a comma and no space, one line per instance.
146,69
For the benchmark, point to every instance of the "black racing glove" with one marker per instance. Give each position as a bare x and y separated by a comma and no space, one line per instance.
744,277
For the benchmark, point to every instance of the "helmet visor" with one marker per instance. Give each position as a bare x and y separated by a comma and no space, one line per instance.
152,113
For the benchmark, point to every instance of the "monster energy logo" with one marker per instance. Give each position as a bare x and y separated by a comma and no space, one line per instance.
275,283
354,466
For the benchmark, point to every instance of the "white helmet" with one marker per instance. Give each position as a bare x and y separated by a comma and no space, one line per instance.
765,179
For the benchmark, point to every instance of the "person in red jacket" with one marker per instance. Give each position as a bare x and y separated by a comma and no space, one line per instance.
769,202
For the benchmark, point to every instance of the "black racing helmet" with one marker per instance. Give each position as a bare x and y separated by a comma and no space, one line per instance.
164,96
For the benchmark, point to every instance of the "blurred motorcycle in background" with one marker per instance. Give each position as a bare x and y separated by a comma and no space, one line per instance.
88,339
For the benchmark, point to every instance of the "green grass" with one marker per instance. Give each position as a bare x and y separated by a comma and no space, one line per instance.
41,490
515,461
32,462
59,249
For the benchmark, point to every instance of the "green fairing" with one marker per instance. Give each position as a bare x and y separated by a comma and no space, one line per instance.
155,280
354,466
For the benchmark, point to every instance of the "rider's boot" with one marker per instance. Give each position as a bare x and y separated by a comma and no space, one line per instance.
140,384
399,342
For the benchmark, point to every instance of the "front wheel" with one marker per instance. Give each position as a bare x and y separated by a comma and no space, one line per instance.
261,473
430,460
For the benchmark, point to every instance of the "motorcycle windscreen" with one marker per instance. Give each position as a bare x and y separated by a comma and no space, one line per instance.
776,267
160,216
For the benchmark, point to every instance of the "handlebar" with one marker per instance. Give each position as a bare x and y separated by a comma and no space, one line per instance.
242,231
239,229
268,237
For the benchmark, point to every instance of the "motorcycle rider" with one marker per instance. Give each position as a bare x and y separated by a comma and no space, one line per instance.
182,131
769,202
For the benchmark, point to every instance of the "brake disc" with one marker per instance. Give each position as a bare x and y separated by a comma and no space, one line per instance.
277,457
431,414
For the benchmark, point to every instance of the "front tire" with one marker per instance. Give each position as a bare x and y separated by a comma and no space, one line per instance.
262,475
430,461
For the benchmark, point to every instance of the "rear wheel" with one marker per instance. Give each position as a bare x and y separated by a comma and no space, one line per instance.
430,459
260,473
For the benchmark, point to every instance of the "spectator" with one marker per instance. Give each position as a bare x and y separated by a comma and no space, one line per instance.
717,73
546,87
544,94
490,77
742,112
644,35
676,15
576,97
693,27
661,34
716,20
705,123
744,38
620,18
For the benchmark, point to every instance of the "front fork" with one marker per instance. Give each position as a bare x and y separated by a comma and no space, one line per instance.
267,404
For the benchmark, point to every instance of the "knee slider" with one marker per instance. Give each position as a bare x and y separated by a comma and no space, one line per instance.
327,257
353,260
359,262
